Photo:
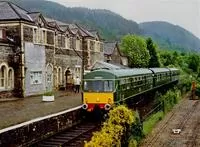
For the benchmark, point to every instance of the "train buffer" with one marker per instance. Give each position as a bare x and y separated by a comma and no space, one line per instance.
176,131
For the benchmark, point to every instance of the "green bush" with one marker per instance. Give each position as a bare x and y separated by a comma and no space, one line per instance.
120,118
150,123
49,93
170,99
185,83
197,92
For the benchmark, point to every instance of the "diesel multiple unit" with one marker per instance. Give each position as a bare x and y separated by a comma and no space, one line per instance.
103,88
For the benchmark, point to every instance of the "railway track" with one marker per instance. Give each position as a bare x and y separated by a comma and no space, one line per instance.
187,116
193,139
151,141
74,137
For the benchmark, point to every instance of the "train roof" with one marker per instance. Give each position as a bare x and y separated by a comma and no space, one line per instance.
158,70
116,73
173,69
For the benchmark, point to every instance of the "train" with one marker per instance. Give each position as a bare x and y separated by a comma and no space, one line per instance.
103,88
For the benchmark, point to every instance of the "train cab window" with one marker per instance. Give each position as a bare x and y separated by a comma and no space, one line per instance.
98,86
108,86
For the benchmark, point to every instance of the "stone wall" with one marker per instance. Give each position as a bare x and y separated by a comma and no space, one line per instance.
96,56
5,51
7,54
28,34
115,57
49,52
36,130
67,62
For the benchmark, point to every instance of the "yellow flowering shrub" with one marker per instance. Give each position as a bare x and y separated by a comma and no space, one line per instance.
113,129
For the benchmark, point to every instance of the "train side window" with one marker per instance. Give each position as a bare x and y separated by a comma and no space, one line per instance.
121,81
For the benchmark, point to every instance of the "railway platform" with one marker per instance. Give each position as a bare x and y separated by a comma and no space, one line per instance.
20,110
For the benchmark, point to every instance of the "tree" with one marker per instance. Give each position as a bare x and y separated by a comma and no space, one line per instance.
136,50
194,62
154,59
166,58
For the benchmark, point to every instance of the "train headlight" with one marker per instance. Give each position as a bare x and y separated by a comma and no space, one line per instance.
84,106
98,100
107,106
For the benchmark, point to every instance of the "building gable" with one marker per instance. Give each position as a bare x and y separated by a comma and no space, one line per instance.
40,21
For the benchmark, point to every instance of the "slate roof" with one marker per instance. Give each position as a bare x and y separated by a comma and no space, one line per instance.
109,47
55,21
10,11
84,32
73,27
96,34
34,15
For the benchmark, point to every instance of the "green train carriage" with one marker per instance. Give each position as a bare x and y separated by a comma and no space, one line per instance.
103,88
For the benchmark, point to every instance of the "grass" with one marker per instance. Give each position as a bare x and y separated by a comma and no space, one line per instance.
151,122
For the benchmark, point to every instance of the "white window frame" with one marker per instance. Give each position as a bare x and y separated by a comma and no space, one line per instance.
4,77
10,79
1,33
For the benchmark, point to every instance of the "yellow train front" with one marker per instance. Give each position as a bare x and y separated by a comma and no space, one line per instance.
98,90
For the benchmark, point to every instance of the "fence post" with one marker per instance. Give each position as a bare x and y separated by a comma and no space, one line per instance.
163,106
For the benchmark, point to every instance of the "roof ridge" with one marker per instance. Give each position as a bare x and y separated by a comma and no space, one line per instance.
82,29
17,6
14,10
33,12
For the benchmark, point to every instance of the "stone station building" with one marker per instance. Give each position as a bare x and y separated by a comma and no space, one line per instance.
39,54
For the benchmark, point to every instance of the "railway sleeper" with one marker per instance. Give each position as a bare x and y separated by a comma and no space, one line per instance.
44,145
51,143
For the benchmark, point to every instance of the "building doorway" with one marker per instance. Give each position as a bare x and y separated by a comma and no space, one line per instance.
69,80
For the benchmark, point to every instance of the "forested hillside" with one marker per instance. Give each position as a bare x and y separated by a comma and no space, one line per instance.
112,26
170,36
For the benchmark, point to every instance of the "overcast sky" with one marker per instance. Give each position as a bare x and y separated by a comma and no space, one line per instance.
185,13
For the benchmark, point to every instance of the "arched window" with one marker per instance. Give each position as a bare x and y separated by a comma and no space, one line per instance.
3,77
10,78
49,74
49,77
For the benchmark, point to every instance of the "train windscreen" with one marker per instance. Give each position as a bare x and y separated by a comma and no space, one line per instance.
99,86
